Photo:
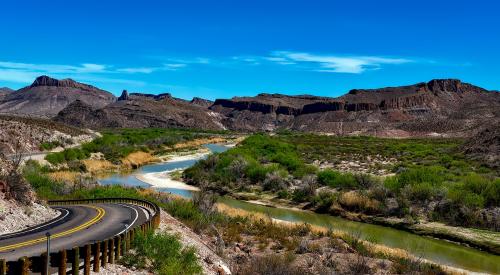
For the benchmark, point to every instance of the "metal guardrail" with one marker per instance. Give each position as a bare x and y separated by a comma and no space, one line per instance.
94,255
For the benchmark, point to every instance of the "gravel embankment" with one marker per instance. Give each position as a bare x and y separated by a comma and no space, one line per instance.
15,216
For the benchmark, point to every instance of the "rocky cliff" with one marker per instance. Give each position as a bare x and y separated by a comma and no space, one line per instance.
47,96
438,107
140,111
441,107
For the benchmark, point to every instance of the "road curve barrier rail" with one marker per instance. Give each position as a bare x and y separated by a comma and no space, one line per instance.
93,255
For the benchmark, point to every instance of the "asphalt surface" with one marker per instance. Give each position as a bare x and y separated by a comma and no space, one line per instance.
77,225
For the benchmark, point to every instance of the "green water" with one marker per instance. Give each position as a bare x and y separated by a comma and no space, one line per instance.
439,251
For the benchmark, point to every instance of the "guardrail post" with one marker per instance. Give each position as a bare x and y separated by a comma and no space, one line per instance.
3,267
126,242
97,252
62,262
86,261
75,268
118,247
44,263
112,251
104,261
24,266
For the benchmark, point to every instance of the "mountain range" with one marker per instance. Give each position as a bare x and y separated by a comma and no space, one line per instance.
444,107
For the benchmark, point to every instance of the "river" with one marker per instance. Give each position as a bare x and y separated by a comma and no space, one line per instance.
439,251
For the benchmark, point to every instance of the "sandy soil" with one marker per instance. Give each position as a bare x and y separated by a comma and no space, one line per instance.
163,180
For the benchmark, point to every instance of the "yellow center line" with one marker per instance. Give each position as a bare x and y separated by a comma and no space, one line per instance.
100,214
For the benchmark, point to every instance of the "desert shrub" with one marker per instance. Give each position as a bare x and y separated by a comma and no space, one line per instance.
421,191
355,201
275,181
67,155
475,191
405,265
257,172
336,179
271,264
161,253
365,181
45,187
49,145
434,175
284,194
324,200
300,195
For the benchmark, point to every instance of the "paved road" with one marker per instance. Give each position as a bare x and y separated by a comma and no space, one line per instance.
77,225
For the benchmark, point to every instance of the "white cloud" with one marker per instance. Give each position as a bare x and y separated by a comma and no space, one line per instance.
17,76
174,66
143,70
26,72
334,63
55,68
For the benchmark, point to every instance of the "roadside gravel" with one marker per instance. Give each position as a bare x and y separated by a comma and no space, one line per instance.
15,216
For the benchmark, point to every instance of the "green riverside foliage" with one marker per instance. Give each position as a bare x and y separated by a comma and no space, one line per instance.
425,170
118,143
337,180
162,253
45,187
258,156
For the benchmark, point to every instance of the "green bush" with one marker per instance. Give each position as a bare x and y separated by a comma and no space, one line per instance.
476,191
421,191
45,187
162,253
336,179
49,145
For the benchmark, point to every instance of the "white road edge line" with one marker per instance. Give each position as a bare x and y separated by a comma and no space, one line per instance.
39,226
132,223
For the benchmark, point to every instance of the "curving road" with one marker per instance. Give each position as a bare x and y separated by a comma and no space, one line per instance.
77,225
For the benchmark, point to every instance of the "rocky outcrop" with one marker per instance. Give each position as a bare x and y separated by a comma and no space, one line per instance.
45,81
201,102
140,111
443,106
47,96
124,96
485,146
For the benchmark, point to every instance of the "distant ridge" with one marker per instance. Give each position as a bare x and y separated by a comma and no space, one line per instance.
446,107
47,96
440,107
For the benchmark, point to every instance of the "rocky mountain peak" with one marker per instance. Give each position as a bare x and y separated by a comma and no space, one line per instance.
201,102
47,81
451,85
124,96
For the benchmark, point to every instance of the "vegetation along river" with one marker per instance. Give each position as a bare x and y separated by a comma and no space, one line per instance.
439,251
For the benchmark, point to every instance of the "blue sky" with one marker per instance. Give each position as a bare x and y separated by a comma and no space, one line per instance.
220,49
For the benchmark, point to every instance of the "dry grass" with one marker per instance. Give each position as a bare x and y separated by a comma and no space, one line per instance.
198,142
98,165
64,176
137,159
287,226
236,212
353,200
